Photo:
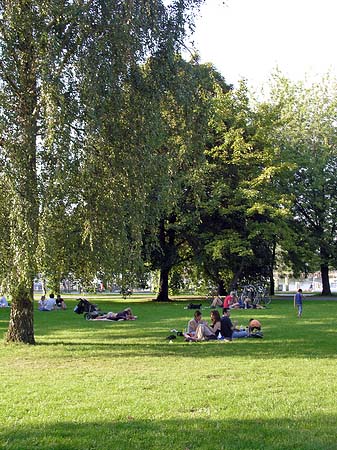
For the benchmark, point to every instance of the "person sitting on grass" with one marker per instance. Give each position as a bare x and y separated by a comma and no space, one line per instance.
228,328
50,303
47,305
217,301
60,302
193,323
42,303
200,330
215,322
231,301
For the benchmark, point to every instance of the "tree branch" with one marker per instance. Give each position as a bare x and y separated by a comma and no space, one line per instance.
7,78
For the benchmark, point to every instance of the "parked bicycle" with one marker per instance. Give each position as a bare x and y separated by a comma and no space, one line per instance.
262,296
255,296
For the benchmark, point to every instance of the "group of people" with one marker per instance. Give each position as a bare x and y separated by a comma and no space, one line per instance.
219,328
51,303
232,301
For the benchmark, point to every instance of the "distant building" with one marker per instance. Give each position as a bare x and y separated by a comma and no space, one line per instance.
311,283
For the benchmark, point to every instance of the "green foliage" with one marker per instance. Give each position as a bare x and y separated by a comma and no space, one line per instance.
178,184
78,129
306,137
243,214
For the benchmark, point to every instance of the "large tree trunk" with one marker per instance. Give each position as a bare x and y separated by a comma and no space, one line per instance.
272,265
324,254
23,174
271,284
21,326
325,280
163,295
168,257
221,288
236,277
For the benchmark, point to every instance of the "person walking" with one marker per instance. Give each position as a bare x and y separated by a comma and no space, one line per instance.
298,302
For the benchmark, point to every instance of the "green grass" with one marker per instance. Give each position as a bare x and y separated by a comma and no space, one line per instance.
102,385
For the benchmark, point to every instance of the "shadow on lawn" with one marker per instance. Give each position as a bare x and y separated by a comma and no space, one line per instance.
243,348
122,340
316,432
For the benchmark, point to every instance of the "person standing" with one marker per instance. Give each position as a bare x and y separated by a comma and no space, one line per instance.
298,302
3,302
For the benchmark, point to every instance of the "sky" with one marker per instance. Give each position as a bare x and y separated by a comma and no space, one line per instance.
250,38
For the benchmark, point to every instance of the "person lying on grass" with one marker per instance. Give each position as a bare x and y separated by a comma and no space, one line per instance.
126,314
253,326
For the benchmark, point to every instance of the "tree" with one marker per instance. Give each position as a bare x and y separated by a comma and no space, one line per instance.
242,212
63,69
306,137
185,113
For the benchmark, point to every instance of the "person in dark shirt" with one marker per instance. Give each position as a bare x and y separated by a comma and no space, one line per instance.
298,302
60,302
228,329
226,325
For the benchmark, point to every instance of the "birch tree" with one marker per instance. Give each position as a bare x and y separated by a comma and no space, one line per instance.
66,67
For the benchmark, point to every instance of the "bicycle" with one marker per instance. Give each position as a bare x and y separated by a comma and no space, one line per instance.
262,297
255,296
248,295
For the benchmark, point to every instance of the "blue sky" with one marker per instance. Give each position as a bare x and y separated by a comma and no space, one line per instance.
250,38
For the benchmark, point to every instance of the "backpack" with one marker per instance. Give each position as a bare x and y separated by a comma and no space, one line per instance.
194,306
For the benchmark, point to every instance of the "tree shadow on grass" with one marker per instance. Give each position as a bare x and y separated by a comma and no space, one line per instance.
316,432
121,346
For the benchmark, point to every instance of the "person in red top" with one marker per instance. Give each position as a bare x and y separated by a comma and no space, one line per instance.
231,301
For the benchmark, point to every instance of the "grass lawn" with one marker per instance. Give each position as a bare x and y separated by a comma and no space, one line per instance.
121,385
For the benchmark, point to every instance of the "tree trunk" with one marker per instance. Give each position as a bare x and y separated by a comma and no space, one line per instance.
44,286
163,295
24,214
221,288
272,265
325,279
271,285
236,278
168,257
21,323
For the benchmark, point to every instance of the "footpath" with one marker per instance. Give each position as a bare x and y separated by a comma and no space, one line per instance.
307,297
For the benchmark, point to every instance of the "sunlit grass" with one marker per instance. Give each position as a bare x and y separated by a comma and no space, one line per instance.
102,385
